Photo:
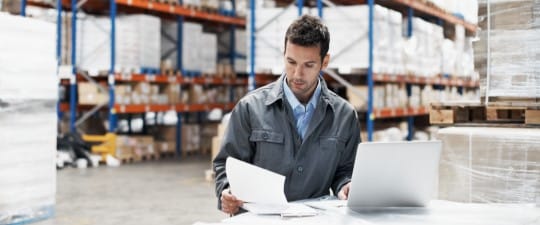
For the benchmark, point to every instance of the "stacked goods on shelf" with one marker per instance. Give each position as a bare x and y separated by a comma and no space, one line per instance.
148,93
393,53
490,165
124,148
137,44
28,96
395,96
191,138
514,67
135,148
240,44
165,139
269,42
90,94
423,49
199,50
349,47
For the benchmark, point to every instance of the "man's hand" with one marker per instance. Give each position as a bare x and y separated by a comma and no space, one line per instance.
229,203
344,192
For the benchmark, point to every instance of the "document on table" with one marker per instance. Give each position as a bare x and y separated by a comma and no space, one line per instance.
261,190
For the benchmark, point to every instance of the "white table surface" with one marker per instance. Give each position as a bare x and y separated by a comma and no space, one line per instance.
438,212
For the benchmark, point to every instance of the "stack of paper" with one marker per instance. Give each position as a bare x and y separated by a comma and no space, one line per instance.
262,190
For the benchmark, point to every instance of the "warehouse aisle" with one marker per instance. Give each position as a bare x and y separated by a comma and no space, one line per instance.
156,192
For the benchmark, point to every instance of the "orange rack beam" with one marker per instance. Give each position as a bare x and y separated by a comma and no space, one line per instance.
399,112
182,11
423,7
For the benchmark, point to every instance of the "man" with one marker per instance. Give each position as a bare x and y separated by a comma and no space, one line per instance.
294,126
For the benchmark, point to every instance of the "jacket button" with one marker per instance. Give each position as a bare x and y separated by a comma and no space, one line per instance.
300,169
265,136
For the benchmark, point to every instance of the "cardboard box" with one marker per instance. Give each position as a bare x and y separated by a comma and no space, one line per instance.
90,94
173,93
166,133
165,146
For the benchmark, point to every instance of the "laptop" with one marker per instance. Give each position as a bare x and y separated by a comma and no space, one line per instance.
395,174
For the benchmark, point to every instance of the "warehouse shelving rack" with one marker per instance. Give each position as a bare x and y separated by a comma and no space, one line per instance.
374,113
179,11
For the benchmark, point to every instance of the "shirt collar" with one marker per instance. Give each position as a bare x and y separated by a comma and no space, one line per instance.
293,101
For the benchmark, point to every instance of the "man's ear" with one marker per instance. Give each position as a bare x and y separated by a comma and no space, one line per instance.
325,62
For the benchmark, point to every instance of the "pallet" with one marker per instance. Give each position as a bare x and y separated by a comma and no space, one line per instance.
513,101
190,153
150,157
165,155
127,160
446,114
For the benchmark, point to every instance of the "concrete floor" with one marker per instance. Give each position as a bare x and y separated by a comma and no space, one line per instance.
156,192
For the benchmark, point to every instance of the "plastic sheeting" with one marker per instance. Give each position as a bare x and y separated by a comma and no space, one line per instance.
492,165
28,96
515,49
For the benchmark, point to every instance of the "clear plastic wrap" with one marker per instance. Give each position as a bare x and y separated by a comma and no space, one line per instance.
137,43
490,165
514,46
28,97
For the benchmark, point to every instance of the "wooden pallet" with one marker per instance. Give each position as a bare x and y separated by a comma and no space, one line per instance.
165,155
126,160
149,157
478,113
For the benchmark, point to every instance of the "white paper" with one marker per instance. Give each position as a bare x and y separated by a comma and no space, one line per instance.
253,184
262,190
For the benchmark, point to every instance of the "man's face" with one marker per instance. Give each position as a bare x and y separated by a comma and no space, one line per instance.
302,65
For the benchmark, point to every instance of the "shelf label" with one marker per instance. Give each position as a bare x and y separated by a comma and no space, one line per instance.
122,108
130,2
111,80
172,79
171,8
73,80
150,78
208,80
150,5
147,108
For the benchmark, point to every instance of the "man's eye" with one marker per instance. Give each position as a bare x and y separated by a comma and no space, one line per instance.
290,62
309,65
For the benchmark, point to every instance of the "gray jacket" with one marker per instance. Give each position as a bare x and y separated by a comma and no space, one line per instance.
262,131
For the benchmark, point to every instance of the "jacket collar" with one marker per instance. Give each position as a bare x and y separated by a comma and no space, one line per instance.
276,92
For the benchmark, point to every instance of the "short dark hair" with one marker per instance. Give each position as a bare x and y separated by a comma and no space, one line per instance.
309,31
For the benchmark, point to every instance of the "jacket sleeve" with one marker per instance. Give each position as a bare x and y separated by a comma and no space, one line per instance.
235,143
344,171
